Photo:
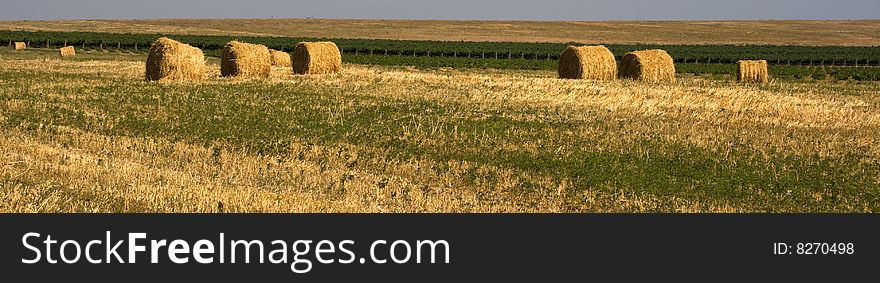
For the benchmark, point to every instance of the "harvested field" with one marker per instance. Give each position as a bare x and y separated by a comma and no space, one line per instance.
91,136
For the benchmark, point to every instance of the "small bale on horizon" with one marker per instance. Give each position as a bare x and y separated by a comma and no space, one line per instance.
587,62
752,71
648,65
18,45
280,58
170,60
245,60
67,51
316,58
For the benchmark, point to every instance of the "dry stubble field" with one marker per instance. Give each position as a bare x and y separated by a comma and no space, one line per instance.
90,135
851,33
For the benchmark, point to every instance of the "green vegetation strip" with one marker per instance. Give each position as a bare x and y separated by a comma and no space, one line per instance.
777,55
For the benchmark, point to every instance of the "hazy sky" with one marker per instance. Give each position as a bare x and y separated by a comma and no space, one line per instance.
444,9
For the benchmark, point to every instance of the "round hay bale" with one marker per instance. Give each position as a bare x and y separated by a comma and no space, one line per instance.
175,61
280,58
67,51
587,62
752,71
245,60
19,45
648,65
316,58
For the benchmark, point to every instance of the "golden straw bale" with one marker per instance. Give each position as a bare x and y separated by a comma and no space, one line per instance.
316,58
67,51
752,71
19,45
648,65
280,58
172,60
587,62
245,60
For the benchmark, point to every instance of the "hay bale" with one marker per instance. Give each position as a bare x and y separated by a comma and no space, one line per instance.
752,71
587,62
316,58
280,58
245,60
648,65
67,51
172,60
19,45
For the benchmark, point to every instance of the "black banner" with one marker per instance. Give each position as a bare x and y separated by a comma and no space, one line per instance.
464,247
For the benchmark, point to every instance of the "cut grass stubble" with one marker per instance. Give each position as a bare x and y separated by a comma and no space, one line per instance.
382,139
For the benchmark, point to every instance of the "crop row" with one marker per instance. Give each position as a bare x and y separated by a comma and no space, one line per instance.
720,54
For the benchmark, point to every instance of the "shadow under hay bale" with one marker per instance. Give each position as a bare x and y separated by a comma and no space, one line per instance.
245,60
587,62
19,45
280,58
169,60
316,58
752,71
68,51
648,65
